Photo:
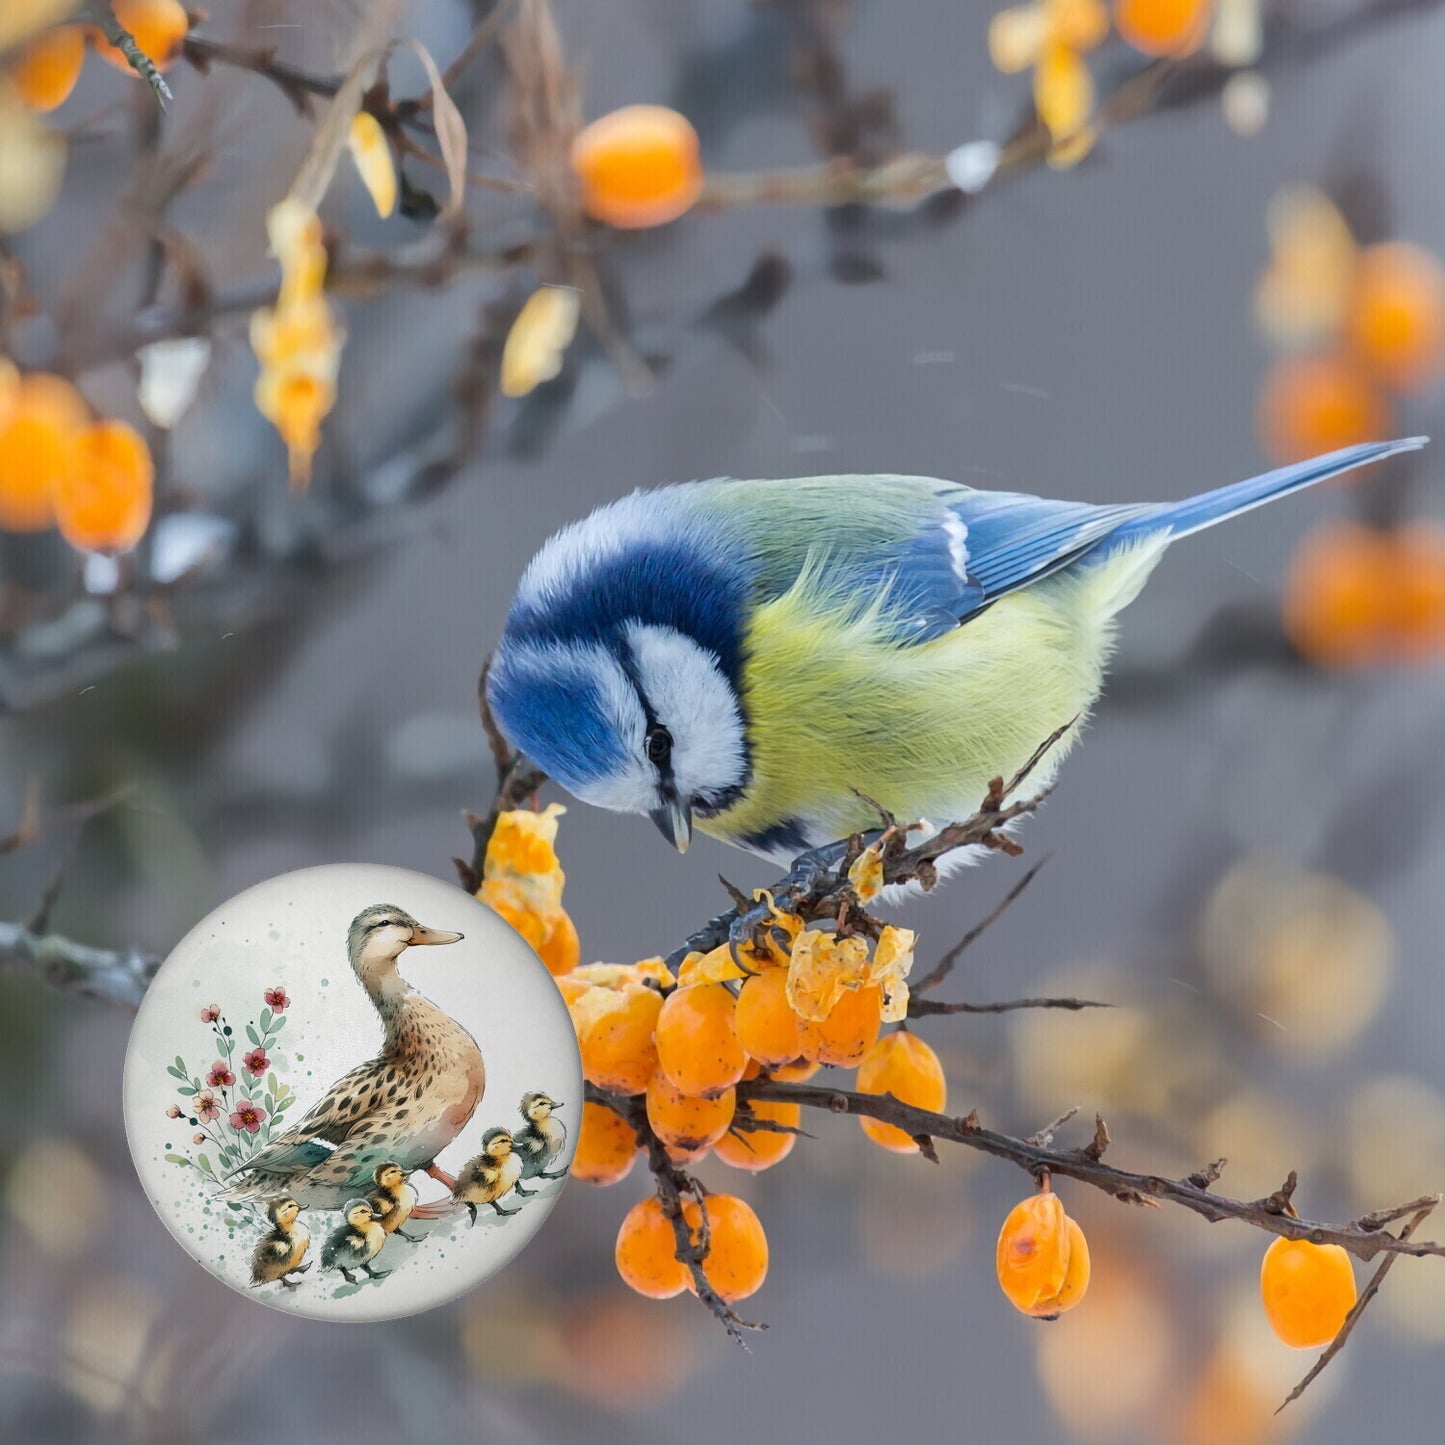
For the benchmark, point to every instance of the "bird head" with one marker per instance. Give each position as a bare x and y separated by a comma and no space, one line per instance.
618,671
379,933
358,1213
536,1107
389,1175
282,1211
497,1143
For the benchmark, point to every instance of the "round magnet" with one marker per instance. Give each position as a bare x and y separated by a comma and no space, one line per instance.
352,1092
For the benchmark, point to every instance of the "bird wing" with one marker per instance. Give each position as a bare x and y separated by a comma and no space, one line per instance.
924,554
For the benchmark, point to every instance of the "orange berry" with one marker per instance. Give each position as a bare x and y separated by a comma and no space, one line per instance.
767,1025
736,1262
157,26
1163,27
48,67
697,1039
39,435
1337,595
606,1146
903,1065
1307,1289
103,504
682,1157
798,1072
615,1035
1042,1257
646,1253
848,1032
1313,404
571,987
687,1121
638,166
755,1149
561,949
1396,318
1418,612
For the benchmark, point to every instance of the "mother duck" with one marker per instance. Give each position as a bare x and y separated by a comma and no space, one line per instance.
407,1104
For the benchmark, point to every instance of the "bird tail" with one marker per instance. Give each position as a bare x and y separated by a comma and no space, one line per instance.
1179,519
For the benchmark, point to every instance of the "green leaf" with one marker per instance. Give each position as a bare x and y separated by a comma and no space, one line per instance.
174,1072
178,1159
253,1035
202,1162
265,1020
186,1093
231,1204
271,1084
270,1104
277,1024
180,1063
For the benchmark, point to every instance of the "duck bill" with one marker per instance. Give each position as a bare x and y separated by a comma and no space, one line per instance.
424,937
674,822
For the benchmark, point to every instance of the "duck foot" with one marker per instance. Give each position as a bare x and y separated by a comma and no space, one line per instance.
441,1176
500,1210
561,1174
411,1238
524,1193
350,1278
374,1273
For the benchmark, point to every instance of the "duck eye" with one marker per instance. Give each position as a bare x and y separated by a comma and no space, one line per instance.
659,745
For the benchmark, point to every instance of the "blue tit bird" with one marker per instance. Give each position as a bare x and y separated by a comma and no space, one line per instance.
751,656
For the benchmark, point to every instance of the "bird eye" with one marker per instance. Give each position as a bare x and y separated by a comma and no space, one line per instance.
659,745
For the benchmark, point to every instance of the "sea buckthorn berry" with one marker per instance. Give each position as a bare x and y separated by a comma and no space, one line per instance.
606,1146
736,1263
1314,404
1418,597
697,1039
798,1072
157,26
1337,596
755,1149
767,1026
646,1253
561,948
39,436
1163,27
687,1121
903,1065
1396,315
683,1157
615,1029
638,166
1042,1257
848,1032
1307,1289
48,67
103,504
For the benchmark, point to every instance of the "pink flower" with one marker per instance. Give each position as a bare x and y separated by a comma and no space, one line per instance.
220,1075
210,1013
248,1116
198,1138
204,1106
256,1062
174,1112
276,999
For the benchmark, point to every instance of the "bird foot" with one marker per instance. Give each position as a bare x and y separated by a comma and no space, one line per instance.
800,880
412,1238
375,1273
523,1193
290,1284
561,1174
500,1210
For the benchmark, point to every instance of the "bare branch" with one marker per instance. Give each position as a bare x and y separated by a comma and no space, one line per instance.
945,965
1085,1166
923,1007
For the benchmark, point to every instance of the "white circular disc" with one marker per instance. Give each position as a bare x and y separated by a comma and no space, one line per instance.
252,1025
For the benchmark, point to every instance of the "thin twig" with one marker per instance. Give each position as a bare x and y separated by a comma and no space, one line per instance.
945,965
924,1007
112,975
1425,1206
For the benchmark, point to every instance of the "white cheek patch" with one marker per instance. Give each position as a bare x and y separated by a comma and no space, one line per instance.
691,697
634,789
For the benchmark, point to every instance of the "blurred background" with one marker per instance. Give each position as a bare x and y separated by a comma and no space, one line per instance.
1236,265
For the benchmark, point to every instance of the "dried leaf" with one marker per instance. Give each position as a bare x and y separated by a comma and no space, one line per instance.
451,133
372,155
539,339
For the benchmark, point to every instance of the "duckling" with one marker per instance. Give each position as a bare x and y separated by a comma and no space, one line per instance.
540,1140
393,1200
279,1252
356,1243
494,1171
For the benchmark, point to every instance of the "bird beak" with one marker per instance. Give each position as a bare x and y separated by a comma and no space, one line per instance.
674,822
422,935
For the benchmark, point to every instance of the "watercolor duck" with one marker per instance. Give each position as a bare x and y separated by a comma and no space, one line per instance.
354,1244
279,1252
540,1140
404,1106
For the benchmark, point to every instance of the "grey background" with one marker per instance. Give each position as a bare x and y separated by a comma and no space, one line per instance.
1099,344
